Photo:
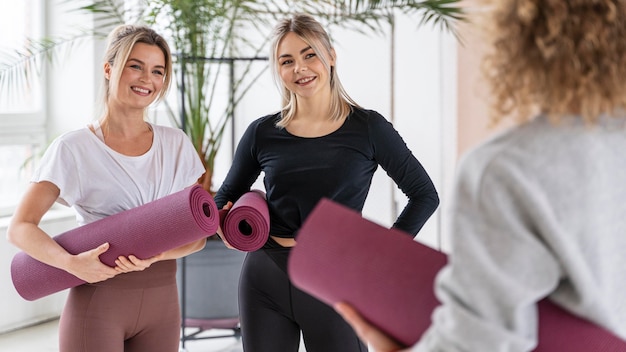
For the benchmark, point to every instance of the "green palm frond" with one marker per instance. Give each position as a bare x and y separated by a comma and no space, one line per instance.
442,13
108,14
20,68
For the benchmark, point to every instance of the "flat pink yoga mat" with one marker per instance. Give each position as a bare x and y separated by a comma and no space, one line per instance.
246,226
144,231
389,278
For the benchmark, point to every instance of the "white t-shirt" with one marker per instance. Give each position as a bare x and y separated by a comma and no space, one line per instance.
97,181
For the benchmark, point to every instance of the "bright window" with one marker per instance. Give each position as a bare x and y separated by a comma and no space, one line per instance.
22,113
19,20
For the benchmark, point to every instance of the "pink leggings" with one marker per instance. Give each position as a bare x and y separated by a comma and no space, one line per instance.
133,312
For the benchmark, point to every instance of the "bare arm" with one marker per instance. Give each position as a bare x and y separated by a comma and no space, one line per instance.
24,232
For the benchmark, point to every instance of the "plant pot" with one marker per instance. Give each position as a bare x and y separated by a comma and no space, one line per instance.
208,282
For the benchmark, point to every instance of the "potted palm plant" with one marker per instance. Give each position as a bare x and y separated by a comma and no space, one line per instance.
209,37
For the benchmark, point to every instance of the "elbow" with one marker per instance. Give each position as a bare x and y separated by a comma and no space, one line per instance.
429,200
435,200
11,235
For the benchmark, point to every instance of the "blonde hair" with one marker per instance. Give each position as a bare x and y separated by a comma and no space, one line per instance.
120,43
557,57
312,33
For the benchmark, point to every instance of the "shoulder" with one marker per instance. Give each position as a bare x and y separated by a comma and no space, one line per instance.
264,125
74,136
73,139
371,121
518,145
538,147
69,147
170,136
267,121
168,132
373,124
507,152
367,116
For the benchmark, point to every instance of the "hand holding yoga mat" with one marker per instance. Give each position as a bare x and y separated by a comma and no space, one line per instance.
246,226
389,278
144,231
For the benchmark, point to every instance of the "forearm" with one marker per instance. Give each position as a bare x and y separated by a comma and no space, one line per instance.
36,243
184,250
416,213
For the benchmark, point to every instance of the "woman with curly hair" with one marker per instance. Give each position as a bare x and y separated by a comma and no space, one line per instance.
539,210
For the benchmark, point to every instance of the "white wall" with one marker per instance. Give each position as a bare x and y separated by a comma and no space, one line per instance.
75,75
425,108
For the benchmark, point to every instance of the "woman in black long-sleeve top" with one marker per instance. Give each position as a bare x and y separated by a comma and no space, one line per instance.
321,144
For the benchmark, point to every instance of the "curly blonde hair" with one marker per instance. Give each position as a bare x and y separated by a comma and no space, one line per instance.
557,57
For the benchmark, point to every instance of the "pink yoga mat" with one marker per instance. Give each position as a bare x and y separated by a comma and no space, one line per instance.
145,231
389,278
246,226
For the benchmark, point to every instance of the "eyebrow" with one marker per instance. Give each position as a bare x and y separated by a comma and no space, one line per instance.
301,52
143,63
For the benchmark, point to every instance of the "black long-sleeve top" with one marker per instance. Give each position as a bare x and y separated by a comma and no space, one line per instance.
300,171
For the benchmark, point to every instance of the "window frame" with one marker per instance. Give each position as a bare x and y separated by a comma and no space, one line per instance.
27,128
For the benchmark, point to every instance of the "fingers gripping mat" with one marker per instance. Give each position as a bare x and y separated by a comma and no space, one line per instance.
167,223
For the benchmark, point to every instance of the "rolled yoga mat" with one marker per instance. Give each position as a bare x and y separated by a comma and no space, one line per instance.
389,278
246,226
144,231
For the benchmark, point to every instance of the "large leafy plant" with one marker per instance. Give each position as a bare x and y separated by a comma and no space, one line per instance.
209,37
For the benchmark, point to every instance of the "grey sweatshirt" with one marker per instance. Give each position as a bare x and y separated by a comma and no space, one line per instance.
539,211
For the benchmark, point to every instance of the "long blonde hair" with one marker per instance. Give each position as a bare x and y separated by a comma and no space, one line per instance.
557,58
120,43
312,33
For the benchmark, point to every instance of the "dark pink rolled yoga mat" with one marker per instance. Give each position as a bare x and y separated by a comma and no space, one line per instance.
144,231
246,226
389,278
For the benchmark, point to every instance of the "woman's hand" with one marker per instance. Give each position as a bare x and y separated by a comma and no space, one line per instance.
132,263
375,338
88,267
220,233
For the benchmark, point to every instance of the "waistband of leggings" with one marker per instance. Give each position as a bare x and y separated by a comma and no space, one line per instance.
161,273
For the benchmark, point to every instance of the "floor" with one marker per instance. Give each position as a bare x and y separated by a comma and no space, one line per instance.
43,338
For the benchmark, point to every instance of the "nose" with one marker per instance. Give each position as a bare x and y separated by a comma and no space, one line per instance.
144,76
300,67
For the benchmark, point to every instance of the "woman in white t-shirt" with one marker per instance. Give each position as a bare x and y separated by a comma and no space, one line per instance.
117,163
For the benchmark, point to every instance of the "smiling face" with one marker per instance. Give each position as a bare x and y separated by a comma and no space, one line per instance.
300,68
141,78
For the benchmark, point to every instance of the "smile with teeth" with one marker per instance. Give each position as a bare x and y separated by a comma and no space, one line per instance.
140,90
305,80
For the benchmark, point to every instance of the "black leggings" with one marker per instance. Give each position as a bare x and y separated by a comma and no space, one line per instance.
273,312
